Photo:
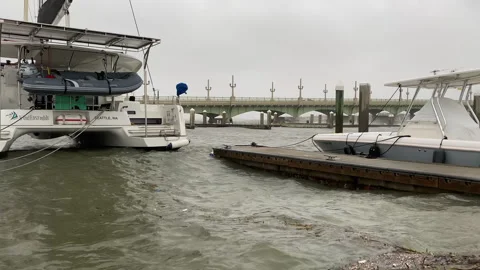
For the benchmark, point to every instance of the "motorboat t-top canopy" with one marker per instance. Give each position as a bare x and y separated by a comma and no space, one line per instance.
453,79
443,117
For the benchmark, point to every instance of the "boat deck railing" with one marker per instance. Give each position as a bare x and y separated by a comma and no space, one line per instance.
155,131
252,101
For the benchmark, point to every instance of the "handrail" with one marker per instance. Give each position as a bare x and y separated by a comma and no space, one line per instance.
265,100
441,112
468,105
438,120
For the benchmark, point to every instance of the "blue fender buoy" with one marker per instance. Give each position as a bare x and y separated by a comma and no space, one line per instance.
181,89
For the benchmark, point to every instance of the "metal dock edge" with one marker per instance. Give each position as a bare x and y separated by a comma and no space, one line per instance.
357,171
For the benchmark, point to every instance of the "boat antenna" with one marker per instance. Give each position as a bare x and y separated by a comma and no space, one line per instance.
143,50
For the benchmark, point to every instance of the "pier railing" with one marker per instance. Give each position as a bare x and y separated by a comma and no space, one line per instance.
253,101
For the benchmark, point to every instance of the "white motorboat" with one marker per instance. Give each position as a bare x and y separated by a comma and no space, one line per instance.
97,115
444,130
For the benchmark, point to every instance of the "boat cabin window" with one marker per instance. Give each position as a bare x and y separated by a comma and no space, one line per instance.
150,121
131,112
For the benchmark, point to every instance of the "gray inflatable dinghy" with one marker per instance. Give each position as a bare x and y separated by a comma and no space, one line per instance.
83,83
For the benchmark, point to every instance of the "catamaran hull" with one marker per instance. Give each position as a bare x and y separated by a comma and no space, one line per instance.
101,137
452,152
95,128
119,138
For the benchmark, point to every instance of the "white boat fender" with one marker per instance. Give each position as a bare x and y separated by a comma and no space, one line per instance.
177,144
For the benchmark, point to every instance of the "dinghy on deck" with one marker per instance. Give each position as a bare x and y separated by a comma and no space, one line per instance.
84,83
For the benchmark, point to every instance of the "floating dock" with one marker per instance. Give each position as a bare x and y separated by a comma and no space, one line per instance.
356,172
188,126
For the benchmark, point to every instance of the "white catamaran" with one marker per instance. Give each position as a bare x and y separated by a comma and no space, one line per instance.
58,81
444,131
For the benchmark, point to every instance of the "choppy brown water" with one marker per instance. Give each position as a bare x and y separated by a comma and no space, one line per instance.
129,209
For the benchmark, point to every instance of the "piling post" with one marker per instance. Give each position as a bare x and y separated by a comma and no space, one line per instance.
476,105
363,107
339,108
192,118
204,117
311,118
275,117
262,117
269,118
330,120
391,117
319,119
224,117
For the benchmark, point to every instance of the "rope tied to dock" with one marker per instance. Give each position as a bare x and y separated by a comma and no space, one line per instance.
254,144
375,117
373,144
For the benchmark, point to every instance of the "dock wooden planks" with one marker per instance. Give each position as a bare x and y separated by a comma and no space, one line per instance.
356,171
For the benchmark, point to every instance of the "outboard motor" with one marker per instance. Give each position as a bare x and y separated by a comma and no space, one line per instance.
27,71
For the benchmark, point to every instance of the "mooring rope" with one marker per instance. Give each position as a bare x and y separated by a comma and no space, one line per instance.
83,129
383,107
23,116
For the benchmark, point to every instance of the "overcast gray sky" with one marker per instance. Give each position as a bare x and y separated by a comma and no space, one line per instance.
260,41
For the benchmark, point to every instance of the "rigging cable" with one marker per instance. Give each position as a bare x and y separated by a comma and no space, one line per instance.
83,129
143,50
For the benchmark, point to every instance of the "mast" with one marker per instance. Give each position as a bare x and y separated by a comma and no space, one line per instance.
25,10
1,82
52,11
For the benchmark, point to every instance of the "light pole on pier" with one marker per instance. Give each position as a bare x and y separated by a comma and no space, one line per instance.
355,89
300,88
208,88
325,91
233,85
272,90
400,94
